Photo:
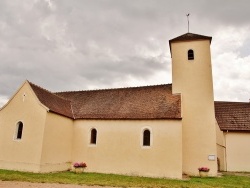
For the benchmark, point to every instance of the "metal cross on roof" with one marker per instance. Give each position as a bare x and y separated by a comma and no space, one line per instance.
188,20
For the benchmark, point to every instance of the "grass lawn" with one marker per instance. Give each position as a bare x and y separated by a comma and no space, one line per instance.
228,181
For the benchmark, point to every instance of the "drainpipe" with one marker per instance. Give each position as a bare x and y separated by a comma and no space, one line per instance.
226,150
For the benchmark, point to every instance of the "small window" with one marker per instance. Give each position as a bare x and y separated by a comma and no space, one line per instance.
19,130
146,138
190,54
93,136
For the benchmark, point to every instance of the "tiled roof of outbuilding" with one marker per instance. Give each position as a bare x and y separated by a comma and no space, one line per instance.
148,102
233,116
55,103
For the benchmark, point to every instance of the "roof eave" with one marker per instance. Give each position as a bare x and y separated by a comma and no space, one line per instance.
235,130
94,118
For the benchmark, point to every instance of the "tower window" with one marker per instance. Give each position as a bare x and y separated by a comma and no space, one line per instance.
19,130
146,137
93,136
190,54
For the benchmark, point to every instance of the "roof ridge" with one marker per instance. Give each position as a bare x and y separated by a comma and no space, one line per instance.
108,89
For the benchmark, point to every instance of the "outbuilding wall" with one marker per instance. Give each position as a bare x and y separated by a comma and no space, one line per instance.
237,151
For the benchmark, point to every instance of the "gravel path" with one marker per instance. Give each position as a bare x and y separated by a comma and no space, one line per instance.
17,184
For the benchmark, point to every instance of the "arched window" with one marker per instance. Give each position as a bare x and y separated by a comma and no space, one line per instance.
146,137
190,54
19,130
93,136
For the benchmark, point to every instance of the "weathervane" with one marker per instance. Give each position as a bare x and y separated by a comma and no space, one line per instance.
188,20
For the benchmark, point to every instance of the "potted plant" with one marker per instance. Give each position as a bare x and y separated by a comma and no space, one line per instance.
203,171
79,167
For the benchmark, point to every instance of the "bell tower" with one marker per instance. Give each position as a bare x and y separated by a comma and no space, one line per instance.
192,78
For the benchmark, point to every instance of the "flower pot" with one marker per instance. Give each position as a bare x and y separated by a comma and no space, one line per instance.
79,170
203,174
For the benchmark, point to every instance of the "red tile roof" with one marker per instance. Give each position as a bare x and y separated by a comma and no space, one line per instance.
55,103
148,102
233,116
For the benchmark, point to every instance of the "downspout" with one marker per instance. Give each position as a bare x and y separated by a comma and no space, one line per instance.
226,150
73,132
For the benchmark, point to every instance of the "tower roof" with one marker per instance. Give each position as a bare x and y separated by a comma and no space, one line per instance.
190,36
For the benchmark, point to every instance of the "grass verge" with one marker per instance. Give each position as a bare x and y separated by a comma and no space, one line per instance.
228,181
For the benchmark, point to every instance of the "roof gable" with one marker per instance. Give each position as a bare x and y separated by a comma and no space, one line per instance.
233,116
14,95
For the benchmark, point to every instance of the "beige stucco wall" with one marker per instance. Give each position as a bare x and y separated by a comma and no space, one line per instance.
119,147
24,154
193,79
221,148
238,151
57,143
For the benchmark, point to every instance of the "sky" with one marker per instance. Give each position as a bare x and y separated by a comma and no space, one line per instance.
65,45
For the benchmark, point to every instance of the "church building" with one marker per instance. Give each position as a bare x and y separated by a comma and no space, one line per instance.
156,131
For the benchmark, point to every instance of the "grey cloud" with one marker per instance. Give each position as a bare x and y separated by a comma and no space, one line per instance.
245,48
75,44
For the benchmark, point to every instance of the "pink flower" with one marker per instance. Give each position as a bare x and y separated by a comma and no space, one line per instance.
80,165
76,165
204,169
83,165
